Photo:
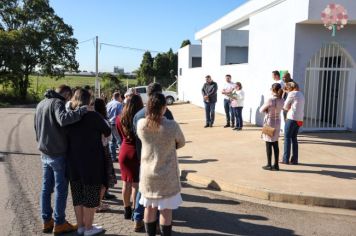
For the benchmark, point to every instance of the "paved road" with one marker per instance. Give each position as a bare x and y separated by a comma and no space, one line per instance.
203,212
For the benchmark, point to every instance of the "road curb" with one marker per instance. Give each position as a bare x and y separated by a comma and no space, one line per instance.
266,194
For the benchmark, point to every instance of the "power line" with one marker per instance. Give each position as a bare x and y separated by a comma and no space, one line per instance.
129,48
91,39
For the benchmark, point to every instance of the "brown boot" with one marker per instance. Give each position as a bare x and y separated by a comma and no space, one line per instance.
48,226
64,228
139,226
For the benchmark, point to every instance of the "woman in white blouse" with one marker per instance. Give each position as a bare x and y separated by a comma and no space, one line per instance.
294,104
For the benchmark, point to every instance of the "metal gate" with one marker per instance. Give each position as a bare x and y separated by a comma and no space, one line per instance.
326,83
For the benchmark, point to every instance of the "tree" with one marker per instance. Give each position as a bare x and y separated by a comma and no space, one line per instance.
161,68
146,71
173,63
111,83
185,43
165,67
35,38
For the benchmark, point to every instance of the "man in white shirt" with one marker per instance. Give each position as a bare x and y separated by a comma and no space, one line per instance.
227,90
276,76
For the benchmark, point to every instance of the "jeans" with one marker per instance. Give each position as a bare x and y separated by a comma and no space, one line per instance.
54,180
228,111
237,111
115,142
139,209
209,112
290,139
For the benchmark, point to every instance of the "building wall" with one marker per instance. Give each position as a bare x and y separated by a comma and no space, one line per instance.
271,47
211,52
276,42
316,7
309,40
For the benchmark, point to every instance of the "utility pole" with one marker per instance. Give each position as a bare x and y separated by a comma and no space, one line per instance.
97,82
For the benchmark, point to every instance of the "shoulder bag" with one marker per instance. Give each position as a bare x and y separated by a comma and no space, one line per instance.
266,129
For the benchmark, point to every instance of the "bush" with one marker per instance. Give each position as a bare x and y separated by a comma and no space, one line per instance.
9,98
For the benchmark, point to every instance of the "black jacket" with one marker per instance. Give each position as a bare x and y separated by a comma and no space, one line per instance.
210,90
50,118
86,152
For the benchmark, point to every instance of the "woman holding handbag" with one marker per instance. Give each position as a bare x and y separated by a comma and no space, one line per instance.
272,123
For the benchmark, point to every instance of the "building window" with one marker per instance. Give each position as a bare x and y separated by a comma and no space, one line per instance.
236,55
180,71
196,62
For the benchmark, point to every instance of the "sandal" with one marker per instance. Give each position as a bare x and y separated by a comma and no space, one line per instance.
103,207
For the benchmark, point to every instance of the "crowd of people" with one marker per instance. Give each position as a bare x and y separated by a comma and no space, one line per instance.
79,137
285,98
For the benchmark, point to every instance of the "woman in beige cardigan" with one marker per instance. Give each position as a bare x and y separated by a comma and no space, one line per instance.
159,177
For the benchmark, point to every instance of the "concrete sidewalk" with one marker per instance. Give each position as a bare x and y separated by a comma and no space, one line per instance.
231,161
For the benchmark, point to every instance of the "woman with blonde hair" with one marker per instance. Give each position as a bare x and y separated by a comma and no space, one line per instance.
159,177
294,105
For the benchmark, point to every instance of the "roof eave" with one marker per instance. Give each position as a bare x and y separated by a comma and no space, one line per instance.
237,16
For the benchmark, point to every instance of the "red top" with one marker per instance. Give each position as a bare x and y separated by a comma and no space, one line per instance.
129,162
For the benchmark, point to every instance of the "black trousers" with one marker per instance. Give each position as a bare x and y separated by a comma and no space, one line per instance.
269,146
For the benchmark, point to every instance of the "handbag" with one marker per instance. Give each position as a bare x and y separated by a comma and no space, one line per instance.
268,130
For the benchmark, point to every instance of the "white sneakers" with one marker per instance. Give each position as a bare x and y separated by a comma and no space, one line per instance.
93,231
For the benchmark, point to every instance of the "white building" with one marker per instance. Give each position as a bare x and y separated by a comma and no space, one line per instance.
265,35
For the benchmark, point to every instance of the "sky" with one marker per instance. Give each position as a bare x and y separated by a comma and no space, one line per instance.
156,25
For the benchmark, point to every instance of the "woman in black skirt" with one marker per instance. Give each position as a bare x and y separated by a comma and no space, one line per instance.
86,163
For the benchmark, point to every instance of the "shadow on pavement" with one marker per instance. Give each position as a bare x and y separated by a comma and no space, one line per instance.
343,167
343,139
203,161
202,199
341,175
319,142
223,223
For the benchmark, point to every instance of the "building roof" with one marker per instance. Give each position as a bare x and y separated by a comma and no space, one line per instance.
239,15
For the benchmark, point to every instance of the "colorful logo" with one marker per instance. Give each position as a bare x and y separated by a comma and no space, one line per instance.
334,17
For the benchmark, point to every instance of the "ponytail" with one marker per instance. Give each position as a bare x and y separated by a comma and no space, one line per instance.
277,89
279,93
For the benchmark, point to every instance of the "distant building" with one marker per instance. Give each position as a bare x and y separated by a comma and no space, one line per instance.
118,70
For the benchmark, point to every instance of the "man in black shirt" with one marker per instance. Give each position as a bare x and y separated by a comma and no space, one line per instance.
209,92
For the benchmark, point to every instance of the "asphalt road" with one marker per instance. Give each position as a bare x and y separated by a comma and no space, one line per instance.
203,212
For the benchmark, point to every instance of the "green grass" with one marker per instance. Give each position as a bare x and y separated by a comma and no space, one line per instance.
39,84
45,83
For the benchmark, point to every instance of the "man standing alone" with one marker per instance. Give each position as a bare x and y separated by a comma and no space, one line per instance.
50,118
209,92
228,88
